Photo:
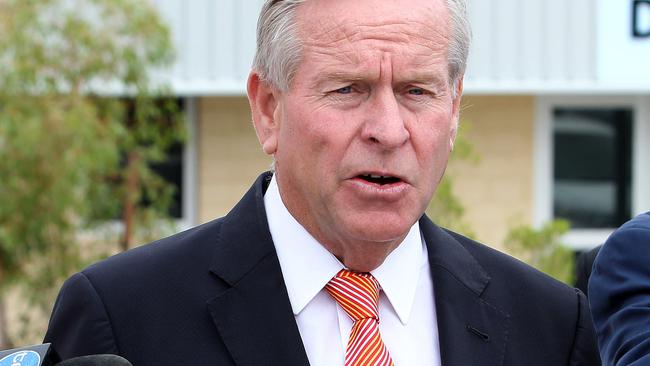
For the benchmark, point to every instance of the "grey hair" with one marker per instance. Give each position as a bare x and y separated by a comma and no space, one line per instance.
279,49
461,38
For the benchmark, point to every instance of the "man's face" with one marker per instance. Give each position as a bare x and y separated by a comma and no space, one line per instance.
362,137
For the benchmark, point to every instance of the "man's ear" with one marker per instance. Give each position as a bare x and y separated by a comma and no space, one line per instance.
455,116
263,100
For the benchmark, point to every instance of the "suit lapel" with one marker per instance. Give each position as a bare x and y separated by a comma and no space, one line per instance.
253,313
254,317
471,330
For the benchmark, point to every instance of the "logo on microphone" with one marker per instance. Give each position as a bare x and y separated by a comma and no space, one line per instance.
21,358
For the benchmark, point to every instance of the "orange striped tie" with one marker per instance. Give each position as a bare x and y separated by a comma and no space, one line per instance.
358,293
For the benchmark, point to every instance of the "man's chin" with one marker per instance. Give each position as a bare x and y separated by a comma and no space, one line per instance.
381,233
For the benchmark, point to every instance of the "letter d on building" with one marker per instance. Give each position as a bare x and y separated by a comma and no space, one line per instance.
641,19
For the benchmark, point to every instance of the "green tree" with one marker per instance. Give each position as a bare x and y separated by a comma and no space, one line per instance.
71,155
445,208
542,248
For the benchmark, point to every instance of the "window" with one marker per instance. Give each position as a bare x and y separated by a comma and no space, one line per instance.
178,168
171,170
592,166
592,163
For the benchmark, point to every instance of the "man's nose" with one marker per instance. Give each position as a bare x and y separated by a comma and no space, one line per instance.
384,123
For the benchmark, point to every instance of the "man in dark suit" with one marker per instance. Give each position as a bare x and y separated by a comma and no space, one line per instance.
358,103
619,289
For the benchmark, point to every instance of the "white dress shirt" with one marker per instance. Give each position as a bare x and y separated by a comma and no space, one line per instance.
407,314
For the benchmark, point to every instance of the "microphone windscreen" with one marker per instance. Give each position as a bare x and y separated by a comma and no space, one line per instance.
96,360
35,355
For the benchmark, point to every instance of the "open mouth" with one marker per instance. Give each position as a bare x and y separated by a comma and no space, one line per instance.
379,179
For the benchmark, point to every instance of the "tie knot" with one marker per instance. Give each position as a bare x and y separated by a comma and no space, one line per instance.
356,292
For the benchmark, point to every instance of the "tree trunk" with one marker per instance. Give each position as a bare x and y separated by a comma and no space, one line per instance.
131,197
5,342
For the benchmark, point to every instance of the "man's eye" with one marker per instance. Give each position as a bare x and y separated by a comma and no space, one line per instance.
416,91
344,90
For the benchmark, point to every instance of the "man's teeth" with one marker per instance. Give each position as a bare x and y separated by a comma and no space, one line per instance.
377,176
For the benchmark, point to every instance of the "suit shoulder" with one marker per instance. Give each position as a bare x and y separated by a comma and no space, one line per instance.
641,221
512,272
529,296
635,232
192,246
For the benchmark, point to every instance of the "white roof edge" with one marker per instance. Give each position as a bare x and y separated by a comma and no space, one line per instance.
208,88
554,87
235,88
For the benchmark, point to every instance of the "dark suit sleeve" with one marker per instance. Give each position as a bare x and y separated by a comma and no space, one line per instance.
619,291
585,346
80,324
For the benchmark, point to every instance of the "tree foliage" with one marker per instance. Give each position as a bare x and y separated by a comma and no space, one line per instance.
72,155
446,209
542,248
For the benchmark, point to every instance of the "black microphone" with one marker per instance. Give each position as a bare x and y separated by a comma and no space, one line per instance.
37,355
95,360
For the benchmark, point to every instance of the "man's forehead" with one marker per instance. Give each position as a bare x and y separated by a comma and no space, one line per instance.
343,35
336,19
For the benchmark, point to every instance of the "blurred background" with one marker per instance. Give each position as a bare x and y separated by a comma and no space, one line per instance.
122,121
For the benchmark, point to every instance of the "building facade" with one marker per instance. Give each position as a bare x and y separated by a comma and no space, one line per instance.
557,107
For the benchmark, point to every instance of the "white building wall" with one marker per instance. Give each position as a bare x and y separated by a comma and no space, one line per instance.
532,46
215,43
560,51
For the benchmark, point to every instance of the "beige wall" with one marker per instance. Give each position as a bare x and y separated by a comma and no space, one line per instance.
230,158
496,191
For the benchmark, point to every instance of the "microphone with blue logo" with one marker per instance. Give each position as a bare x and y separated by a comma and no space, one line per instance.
44,355
37,355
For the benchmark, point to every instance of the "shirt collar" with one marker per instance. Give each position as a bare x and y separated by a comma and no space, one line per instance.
400,273
307,266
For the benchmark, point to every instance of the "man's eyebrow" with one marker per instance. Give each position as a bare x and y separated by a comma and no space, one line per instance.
351,76
341,76
428,79
327,77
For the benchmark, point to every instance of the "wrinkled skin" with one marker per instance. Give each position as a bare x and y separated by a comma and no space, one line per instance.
371,96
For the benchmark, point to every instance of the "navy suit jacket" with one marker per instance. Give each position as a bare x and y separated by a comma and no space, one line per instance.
619,293
214,295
